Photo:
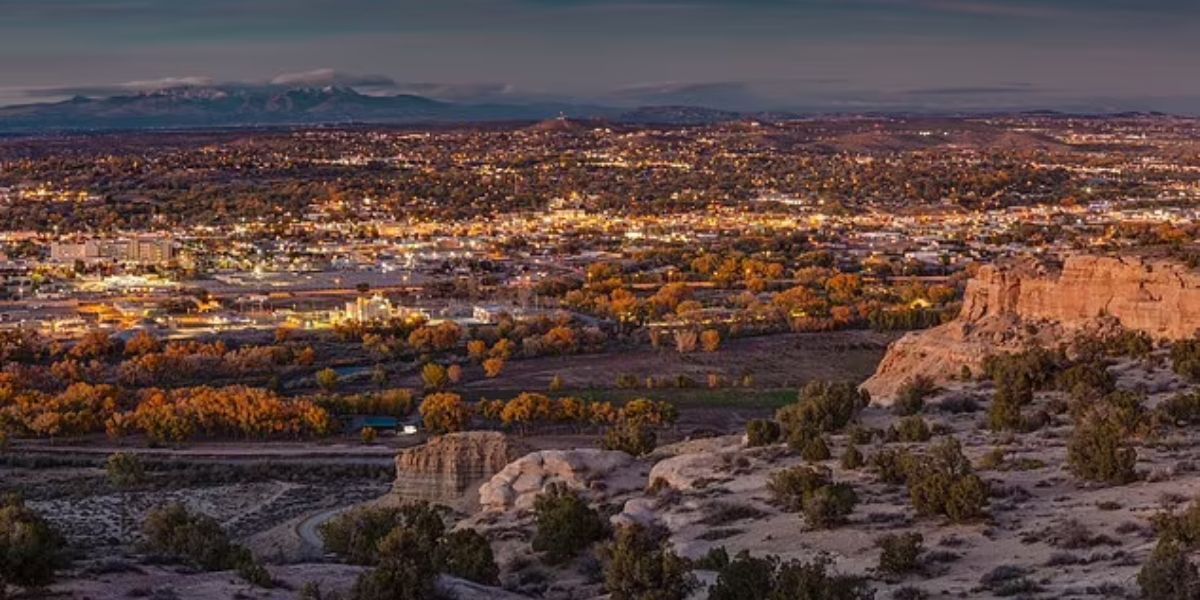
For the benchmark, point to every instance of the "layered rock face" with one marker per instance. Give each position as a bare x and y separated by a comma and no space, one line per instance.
448,469
1016,306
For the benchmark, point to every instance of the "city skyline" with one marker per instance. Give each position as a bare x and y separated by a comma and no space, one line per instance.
805,55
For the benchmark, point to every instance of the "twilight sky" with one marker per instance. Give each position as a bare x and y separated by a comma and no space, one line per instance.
742,54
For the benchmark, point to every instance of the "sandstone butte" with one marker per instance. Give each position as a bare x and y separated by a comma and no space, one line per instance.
1011,307
450,468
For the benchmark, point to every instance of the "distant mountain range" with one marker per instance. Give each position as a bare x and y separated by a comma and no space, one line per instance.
200,107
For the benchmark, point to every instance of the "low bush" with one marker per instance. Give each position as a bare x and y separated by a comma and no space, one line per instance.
900,554
762,432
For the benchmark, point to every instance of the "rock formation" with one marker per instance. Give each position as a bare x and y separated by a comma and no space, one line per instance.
1012,307
449,468
597,473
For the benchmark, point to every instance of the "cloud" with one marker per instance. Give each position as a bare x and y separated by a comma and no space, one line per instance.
982,90
327,77
118,89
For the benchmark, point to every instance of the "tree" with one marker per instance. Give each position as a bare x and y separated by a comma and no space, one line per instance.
454,374
900,554
434,376
1098,451
686,340
444,413
752,578
642,566
356,535
31,550
762,432
943,483
327,380
176,533
1168,574
125,470
466,553
710,340
566,525
493,367
406,569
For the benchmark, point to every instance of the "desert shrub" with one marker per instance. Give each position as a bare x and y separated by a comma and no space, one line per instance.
829,505
631,437
891,465
467,554
1097,450
125,470
31,550
745,578
913,429
356,534
176,533
852,458
406,569
795,579
1035,368
943,483
1182,408
1087,378
1182,527
713,560
1168,574
815,449
762,432
823,407
911,397
642,566
810,491
860,435
900,554
1185,358
566,525
1007,401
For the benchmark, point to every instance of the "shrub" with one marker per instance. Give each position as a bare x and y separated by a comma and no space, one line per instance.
911,397
355,535
745,578
31,550
1168,574
900,553
125,470
809,490
175,533
642,566
634,438
762,432
406,569
1097,450
913,429
566,525
892,465
943,483
1182,408
812,579
1185,358
823,407
815,449
1182,527
467,554
829,505
852,459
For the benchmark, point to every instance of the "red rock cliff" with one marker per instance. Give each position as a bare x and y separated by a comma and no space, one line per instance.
1028,303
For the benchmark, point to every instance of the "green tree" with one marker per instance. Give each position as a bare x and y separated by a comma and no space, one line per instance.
642,566
31,550
327,380
566,525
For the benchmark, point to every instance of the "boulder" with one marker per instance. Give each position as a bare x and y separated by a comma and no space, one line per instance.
449,468
596,473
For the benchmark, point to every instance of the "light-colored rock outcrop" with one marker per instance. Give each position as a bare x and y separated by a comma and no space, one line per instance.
448,469
596,473
1011,307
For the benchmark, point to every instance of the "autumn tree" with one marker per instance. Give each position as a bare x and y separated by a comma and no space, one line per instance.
445,413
